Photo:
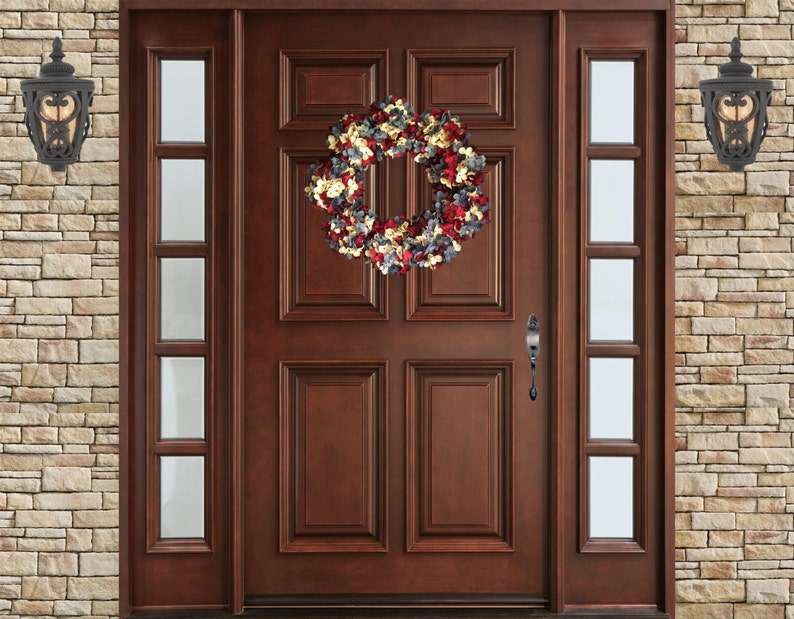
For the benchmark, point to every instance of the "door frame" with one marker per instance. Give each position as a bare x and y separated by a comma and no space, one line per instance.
560,451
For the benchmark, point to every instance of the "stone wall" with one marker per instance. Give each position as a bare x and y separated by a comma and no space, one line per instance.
734,325
59,324
59,328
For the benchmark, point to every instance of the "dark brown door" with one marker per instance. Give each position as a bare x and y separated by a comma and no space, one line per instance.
390,444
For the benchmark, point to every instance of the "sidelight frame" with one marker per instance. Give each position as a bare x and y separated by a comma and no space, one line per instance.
562,350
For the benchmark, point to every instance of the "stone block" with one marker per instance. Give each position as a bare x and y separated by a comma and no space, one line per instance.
43,519
768,395
18,563
93,588
44,588
713,326
99,564
58,351
766,261
710,590
66,266
769,591
18,351
764,326
67,500
100,149
710,396
714,521
768,183
696,484
712,441
691,539
764,522
72,608
65,479
703,610
94,173
720,246
759,611
43,375
767,455
34,608
99,351
708,184
93,375
696,289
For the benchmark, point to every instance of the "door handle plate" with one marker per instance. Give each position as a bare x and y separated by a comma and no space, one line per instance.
533,350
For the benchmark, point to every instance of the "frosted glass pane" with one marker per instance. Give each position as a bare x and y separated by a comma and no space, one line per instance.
182,192
611,300
612,101
611,497
181,397
182,298
181,496
182,100
611,201
611,396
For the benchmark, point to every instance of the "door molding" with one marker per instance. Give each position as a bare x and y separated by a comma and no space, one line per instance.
562,387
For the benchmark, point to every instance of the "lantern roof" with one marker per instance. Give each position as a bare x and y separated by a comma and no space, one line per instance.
736,74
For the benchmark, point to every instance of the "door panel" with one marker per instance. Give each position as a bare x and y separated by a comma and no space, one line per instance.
390,445
312,286
332,457
480,287
459,473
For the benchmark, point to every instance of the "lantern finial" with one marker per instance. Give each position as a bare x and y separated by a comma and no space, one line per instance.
736,51
57,66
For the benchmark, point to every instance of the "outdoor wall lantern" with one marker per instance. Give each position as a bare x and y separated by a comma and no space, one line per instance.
736,111
56,110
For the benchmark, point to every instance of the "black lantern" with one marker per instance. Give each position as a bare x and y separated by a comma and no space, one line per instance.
56,110
736,111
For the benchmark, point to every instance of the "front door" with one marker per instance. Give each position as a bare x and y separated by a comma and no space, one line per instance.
391,450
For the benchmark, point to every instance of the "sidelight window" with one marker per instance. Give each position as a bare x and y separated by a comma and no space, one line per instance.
612,444
180,349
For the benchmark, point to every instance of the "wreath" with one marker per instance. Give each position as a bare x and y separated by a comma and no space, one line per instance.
435,139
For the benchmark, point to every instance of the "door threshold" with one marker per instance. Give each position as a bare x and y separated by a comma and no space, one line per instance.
405,612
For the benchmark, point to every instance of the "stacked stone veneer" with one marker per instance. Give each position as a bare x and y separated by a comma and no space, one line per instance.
59,329
735,330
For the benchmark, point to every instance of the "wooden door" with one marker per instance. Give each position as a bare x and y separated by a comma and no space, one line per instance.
390,447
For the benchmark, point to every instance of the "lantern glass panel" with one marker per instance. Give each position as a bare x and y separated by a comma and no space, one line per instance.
58,111
736,112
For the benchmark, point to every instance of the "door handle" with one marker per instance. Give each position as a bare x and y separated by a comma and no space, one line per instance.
533,348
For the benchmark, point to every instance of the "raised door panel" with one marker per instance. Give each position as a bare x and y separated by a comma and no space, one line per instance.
317,284
479,283
319,86
333,467
478,84
460,456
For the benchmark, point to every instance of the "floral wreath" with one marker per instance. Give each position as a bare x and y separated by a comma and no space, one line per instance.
437,140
